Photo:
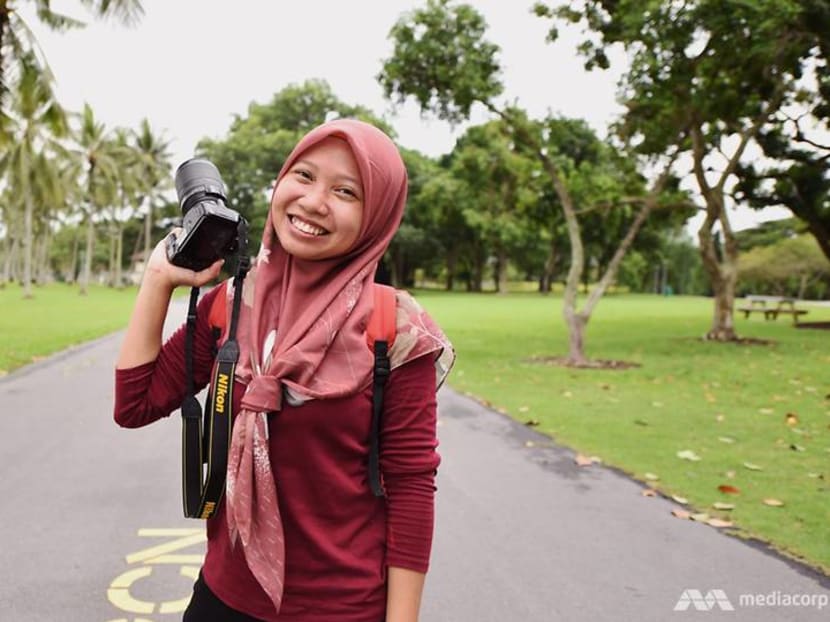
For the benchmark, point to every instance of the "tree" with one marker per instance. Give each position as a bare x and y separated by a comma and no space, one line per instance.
99,153
17,44
441,58
150,174
29,162
687,88
790,267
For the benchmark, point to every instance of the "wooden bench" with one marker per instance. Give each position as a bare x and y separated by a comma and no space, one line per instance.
772,307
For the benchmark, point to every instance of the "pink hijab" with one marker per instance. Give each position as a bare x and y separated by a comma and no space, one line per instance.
302,336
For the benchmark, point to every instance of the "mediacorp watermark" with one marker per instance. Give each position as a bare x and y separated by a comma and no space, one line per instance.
716,598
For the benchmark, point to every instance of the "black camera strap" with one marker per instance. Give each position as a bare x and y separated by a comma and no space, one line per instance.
208,444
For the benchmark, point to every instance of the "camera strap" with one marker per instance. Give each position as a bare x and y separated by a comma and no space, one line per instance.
205,446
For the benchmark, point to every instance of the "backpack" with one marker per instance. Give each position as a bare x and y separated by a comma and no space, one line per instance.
380,335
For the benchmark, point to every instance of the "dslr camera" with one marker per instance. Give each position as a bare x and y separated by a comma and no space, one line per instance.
210,227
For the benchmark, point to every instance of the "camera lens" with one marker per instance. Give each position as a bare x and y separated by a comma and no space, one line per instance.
196,179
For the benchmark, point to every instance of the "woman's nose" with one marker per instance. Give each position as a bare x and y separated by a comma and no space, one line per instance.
314,200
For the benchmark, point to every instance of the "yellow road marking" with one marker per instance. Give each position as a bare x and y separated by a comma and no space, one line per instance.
168,547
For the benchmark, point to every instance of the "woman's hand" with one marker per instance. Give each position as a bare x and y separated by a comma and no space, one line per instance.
163,273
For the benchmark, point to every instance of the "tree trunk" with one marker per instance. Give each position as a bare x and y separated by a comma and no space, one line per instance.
90,243
576,323
44,273
723,277
72,277
148,231
111,269
27,246
452,261
546,281
501,271
802,286
7,263
119,256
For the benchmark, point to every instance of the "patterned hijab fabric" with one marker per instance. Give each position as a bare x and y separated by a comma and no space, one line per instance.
302,336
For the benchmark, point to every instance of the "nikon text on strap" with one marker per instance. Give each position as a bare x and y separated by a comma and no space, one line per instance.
202,489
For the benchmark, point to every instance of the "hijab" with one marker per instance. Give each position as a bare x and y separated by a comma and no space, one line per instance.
302,336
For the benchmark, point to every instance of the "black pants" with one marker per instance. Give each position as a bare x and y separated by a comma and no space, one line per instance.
205,606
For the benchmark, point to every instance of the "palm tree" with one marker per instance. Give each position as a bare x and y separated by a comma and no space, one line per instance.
17,41
33,128
99,153
154,171
130,184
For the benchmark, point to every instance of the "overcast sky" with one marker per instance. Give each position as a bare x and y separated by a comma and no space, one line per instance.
190,65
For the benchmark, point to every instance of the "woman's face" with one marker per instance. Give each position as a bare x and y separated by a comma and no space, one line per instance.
317,207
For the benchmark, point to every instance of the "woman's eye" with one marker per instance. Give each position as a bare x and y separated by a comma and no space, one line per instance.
304,174
347,192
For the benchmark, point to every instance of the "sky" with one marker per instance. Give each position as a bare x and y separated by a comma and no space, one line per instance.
190,66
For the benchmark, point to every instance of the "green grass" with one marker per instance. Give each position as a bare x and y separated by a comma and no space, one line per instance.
687,395
56,318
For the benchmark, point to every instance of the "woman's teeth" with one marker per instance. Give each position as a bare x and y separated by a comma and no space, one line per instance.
306,227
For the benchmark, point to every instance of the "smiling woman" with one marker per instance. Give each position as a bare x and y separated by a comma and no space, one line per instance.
298,502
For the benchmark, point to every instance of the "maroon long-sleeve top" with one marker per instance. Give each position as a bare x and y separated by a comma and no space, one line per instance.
339,538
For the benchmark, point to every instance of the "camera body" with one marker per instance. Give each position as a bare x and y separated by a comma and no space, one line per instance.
210,227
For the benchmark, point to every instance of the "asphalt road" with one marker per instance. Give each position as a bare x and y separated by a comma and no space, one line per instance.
91,528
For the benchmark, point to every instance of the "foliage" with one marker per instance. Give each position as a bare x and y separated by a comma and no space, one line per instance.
687,88
442,59
790,267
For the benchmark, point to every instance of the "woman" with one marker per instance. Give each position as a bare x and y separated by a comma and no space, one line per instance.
299,537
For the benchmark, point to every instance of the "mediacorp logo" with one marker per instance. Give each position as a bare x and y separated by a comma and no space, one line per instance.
701,602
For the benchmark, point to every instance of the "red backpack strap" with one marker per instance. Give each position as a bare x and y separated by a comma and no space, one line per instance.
218,314
383,323
380,335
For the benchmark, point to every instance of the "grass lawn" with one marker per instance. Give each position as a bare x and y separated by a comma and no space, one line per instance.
56,318
757,417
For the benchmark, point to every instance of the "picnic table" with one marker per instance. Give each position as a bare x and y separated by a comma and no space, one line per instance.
772,307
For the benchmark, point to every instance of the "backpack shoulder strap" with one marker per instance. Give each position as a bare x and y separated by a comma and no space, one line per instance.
380,335
382,323
218,314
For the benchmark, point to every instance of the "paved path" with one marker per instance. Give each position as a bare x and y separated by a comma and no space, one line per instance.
91,528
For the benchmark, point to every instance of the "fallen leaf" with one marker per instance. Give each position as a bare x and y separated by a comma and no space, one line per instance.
567,394
523,409
657,404
720,505
532,422
815,475
719,418
795,447
688,454
651,477
726,439
810,389
681,513
530,444
717,522
583,460
648,492
641,422
700,517
791,419
730,474
753,467
728,490
765,411
680,500
773,503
